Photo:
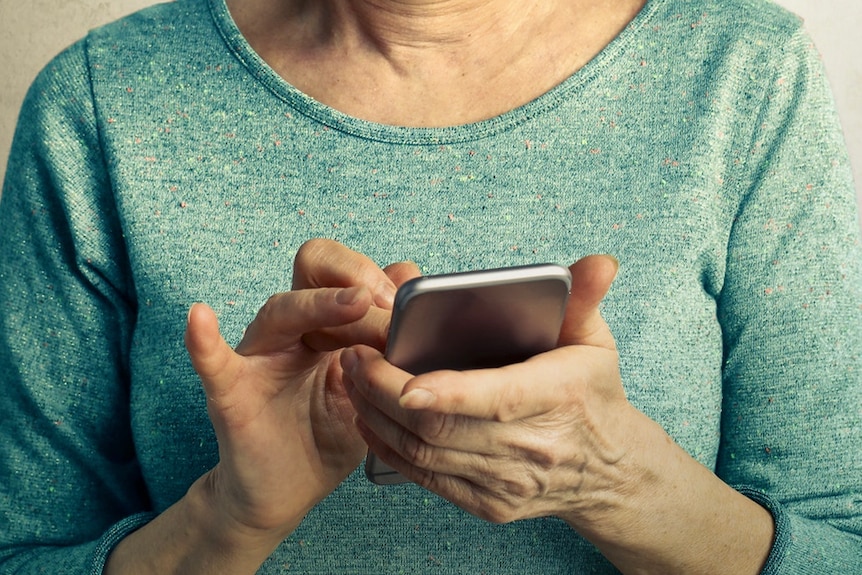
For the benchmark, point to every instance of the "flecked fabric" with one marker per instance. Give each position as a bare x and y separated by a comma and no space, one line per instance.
159,162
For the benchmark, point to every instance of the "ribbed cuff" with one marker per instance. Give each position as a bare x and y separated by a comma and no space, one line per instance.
781,541
113,536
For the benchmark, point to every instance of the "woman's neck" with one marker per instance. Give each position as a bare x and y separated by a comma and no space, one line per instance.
393,28
428,62
440,24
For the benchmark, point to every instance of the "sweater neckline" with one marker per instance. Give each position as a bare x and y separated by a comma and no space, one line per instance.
331,117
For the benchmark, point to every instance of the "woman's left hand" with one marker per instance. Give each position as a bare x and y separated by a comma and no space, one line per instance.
543,437
556,436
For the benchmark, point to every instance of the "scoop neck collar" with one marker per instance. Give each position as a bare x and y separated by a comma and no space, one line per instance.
335,119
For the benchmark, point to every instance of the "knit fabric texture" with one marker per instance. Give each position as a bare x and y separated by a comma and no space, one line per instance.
159,162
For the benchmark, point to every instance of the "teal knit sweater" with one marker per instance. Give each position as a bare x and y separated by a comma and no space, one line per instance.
159,162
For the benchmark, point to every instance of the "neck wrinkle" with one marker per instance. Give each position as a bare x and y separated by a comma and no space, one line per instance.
403,24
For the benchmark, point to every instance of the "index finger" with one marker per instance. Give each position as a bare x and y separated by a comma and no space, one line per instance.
327,263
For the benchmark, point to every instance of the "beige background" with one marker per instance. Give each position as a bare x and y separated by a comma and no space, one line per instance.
31,31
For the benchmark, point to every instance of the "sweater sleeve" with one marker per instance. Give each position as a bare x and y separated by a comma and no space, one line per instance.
71,486
791,312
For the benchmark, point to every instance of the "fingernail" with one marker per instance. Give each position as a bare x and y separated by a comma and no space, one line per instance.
417,399
349,359
347,296
189,315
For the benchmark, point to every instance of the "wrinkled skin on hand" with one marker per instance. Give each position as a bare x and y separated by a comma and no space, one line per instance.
544,437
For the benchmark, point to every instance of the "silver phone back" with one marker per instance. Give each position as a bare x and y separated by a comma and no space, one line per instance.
473,320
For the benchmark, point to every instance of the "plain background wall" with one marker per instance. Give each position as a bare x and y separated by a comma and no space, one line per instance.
32,31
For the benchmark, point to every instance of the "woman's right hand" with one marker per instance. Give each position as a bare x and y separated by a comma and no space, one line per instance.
284,424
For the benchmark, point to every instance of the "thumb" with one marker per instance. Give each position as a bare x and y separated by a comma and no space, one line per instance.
212,358
592,277
400,272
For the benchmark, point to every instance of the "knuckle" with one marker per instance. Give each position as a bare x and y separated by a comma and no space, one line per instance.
516,489
269,306
544,456
426,479
265,317
497,512
508,404
546,446
509,494
533,486
416,451
311,257
434,428
281,311
310,251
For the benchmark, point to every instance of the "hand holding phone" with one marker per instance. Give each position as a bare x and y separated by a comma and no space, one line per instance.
473,320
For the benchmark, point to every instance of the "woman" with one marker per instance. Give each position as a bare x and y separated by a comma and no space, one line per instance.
700,415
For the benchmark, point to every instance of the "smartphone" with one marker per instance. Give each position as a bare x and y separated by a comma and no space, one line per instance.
473,320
